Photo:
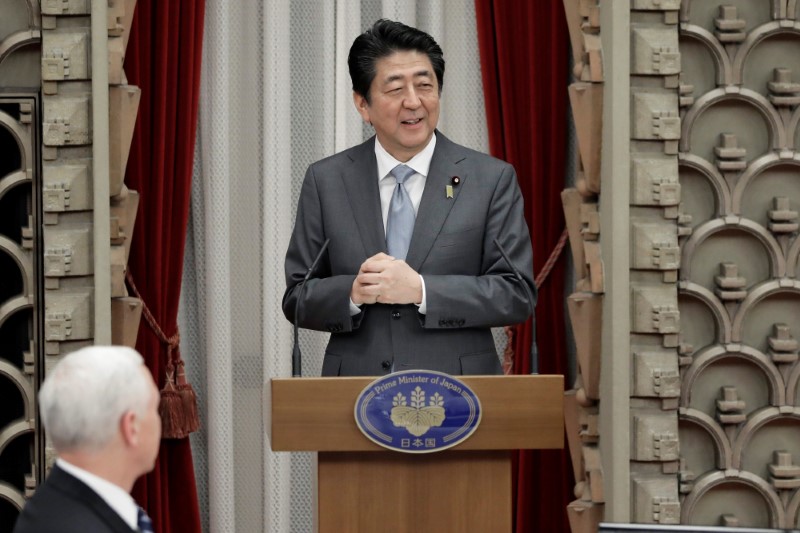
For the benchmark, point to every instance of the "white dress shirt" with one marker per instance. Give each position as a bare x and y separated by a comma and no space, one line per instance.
120,501
414,185
421,163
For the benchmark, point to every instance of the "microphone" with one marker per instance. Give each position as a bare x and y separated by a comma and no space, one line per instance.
531,304
296,355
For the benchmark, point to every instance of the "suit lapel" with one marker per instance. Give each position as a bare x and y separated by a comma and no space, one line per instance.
361,184
435,205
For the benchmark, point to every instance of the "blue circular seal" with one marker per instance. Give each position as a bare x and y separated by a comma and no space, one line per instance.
417,411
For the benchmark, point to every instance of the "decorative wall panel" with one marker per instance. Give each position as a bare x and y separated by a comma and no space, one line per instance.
655,318
739,297
20,250
582,402
19,301
47,212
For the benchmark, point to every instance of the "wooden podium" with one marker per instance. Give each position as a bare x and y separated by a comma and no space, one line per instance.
366,488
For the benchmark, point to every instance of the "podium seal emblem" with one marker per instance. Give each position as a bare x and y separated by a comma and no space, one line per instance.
417,411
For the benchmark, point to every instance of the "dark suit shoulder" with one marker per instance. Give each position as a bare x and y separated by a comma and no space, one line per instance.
345,157
64,504
459,153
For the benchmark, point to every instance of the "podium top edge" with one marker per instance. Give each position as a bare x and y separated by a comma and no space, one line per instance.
466,379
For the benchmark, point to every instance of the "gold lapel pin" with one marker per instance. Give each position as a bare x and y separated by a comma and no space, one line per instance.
449,191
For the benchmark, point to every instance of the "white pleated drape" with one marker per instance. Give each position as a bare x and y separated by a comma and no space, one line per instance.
275,97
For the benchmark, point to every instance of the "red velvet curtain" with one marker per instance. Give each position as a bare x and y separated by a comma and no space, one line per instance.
163,59
524,51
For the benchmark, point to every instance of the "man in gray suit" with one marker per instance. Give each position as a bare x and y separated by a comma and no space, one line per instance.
412,277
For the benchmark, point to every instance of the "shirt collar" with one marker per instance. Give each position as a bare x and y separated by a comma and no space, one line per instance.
116,498
421,162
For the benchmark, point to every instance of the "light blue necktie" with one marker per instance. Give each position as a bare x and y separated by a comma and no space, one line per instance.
400,222
144,522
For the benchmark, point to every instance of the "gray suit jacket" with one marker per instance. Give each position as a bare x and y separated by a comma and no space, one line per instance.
469,286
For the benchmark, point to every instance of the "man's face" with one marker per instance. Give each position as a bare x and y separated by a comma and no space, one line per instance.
404,103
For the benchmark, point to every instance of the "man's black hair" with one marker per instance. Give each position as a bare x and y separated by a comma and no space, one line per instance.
383,39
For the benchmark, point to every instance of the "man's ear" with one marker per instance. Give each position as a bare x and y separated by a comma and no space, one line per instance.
129,428
362,106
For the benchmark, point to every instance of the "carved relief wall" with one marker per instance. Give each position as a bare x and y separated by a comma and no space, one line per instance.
48,214
74,289
654,380
655,225
582,403
20,296
739,295
714,298
18,292
69,171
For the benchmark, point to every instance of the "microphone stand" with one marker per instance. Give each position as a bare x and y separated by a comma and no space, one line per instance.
529,296
296,355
